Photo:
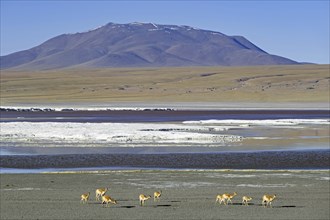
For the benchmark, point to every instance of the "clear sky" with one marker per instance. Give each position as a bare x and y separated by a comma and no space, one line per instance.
298,30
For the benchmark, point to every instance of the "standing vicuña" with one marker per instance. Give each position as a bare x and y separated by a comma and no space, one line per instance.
228,197
107,199
143,198
157,195
99,193
267,200
245,200
220,199
84,197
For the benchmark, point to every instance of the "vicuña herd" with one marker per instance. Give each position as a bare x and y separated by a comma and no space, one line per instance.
220,198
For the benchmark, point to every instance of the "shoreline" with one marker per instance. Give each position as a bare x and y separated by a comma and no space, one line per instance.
141,106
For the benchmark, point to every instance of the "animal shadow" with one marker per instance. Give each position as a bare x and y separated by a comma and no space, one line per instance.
127,206
283,206
165,205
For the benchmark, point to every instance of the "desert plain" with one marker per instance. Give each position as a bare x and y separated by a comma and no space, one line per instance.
257,84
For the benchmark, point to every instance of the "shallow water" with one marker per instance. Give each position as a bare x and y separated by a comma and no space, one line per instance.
158,116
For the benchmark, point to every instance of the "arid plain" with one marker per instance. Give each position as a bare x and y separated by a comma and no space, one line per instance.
185,194
263,84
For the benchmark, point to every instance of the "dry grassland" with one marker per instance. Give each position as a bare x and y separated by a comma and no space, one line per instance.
294,83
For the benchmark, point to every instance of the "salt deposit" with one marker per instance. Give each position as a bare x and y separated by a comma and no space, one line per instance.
270,122
113,134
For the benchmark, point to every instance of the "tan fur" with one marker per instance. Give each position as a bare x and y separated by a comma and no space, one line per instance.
219,198
245,200
84,197
107,200
99,193
267,200
157,195
228,197
143,198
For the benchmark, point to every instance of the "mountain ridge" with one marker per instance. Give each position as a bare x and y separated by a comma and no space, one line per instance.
142,45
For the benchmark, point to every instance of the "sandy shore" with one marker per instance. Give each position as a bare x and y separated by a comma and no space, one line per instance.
186,194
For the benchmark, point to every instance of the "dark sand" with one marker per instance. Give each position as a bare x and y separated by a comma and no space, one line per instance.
186,194
310,159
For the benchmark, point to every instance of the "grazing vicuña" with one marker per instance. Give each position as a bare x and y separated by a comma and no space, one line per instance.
157,195
143,198
107,199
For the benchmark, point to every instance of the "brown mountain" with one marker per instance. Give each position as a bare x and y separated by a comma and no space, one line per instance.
142,45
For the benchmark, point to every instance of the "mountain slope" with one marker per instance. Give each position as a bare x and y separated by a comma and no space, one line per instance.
142,45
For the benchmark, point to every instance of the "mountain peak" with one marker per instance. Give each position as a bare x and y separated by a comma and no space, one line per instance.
142,44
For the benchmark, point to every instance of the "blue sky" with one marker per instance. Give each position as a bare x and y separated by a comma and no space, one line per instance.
298,30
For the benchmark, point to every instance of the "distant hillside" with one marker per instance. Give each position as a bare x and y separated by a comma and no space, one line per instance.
142,45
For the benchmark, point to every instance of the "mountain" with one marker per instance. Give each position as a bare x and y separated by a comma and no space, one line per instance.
141,45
